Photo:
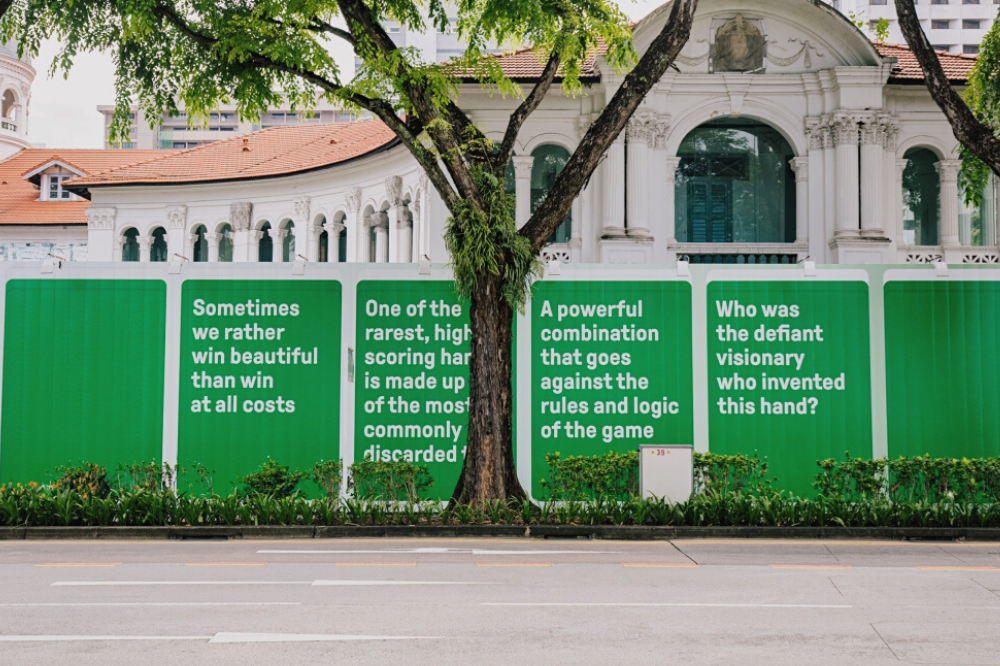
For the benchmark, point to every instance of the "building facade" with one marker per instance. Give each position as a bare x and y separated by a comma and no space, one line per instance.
955,26
786,134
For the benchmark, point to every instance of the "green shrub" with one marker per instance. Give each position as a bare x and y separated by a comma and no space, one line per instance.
87,479
326,474
612,475
151,476
273,479
375,480
723,474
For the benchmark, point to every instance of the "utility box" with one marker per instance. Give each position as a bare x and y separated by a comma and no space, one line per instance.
666,471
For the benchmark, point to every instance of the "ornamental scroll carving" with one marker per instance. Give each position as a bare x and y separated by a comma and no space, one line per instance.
240,215
101,218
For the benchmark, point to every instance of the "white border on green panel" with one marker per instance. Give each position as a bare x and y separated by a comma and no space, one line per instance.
798,273
585,273
236,271
78,270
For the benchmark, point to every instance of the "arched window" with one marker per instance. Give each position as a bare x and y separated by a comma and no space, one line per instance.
549,161
324,239
7,108
200,247
130,246
288,243
977,223
225,244
265,247
735,184
158,250
921,198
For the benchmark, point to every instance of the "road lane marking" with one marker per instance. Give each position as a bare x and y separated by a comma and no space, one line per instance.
154,604
77,564
226,564
657,605
811,567
375,564
137,583
436,551
35,638
235,637
364,583
513,564
956,568
660,565
343,583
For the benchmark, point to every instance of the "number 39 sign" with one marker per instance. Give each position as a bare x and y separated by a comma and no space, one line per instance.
666,471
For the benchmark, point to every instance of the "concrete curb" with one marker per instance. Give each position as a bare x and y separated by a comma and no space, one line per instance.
604,532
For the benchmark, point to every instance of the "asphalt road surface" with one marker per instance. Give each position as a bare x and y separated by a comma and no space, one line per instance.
478,602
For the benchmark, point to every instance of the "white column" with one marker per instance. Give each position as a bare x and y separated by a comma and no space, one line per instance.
188,252
101,245
872,140
614,190
118,250
404,235
637,137
848,212
145,242
365,239
213,241
800,166
424,214
312,242
333,230
244,249
393,192
253,245
948,173
278,237
670,212
418,226
303,230
355,225
898,194
522,188
816,224
829,182
381,225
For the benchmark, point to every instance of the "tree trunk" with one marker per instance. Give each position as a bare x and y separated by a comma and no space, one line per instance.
488,472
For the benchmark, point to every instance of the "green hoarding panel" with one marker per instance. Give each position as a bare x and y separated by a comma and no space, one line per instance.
788,374
82,375
943,368
412,377
610,369
259,376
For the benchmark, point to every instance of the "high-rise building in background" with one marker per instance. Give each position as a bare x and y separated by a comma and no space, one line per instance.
174,132
956,26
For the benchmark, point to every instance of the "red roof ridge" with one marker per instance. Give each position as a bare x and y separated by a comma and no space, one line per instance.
54,158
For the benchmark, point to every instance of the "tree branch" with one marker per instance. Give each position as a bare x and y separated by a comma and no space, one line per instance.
323,26
525,109
978,137
442,128
608,126
379,107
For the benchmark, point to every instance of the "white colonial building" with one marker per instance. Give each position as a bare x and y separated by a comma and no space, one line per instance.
783,133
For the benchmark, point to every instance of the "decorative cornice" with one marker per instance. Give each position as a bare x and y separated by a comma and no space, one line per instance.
303,207
522,166
353,200
239,215
177,217
101,218
393,189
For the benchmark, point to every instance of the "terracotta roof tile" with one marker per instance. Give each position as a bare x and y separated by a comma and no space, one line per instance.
956,67
276,151
19,204
525,65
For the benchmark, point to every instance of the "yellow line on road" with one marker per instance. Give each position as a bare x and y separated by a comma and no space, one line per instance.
78,564
955,568
226,564
376,564
660,565
811,567
513,564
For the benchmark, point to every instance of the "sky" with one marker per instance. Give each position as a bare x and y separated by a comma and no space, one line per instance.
63,110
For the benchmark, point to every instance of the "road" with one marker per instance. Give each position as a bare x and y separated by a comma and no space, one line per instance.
479,602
